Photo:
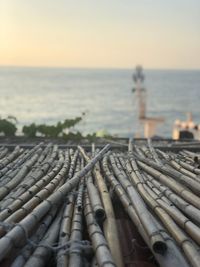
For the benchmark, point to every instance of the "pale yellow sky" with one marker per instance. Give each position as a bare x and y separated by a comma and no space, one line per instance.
114,33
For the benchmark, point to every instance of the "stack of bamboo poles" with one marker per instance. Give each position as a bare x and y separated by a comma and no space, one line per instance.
56,205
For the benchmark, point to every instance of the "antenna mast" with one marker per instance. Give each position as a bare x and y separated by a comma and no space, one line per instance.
150,123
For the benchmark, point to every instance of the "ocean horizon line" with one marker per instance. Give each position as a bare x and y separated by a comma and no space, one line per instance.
96,68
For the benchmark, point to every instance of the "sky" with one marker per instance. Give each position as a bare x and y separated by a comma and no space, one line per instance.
102,33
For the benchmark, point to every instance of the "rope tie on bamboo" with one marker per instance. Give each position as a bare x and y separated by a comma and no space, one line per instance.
7,226
181,205
75,193
69,247
157,232
72,247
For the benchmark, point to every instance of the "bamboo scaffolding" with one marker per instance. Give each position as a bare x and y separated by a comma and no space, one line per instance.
100,246
3,153
65,231
12,156
10,167
153,153
18,178
38,186
172,256
76,255
185,180
157,242
65,228
189,164
41,195
95,200
23,229
28,249
73,164
184,206
43,251
175,186
182,239
109,225
174,162
47,202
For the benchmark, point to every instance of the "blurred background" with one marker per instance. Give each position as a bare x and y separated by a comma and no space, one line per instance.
59,59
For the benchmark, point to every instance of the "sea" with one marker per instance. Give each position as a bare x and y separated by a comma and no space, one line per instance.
49,95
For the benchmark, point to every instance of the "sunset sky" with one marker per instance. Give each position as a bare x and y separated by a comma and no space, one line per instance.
104,33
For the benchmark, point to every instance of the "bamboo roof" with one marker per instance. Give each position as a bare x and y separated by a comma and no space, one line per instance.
129,203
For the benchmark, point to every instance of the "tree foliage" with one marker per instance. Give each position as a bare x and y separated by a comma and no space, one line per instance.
8,127
50,130
60,129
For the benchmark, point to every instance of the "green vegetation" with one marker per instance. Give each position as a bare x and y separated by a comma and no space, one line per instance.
53,131
61,129
8,126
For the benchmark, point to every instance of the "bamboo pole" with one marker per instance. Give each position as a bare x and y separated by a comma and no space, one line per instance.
185,180
181,238
183,205
65,230
12,156
33,190
95,200
20,232
76,255
100,246
42,253
28,249
41,195
157,242
173,256
14,182
181,190
109,225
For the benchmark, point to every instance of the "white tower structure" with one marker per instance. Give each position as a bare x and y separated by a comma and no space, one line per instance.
149,123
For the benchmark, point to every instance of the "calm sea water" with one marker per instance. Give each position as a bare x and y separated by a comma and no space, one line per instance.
52,94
